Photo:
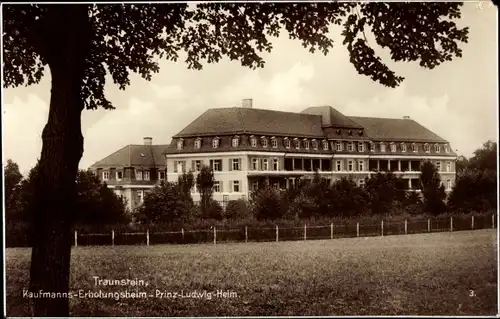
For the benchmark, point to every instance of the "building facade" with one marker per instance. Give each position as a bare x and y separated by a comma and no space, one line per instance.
246,146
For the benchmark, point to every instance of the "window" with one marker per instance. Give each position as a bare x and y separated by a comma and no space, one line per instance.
338,146
179,167
197,143
437,148
235,164
361,166
276,164
161,176
372,147
146,175
338,164
447,148
393,147
215,142
253,141
286,141
350,166
438,166
216,165
105,175
119,175
235,141
255,185
296,143
236,186
427,148
325,145
448,166
197,165
217,187
138,175
448,184
274,143
265,164
314,144
361,183
414,147
403,147
255,164
382,147
361,147
140,196
264,142
180,144
350,146
306,144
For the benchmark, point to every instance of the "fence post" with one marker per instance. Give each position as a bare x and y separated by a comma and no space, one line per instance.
76,239
357,229
147,237
472,226
305,231
382,227
246,234
182,232
406,227
215,236
276,232
429,225
331,231
451,223
112,237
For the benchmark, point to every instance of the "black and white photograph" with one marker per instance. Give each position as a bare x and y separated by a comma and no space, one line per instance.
250,159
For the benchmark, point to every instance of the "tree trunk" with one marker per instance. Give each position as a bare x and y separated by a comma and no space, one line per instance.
67,39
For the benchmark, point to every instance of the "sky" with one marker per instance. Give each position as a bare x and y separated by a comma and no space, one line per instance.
457,100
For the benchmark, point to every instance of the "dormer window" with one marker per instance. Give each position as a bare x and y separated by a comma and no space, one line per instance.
314,144
325,145
339,132
253,141
393,147
119,175
447,148
274,142
437,148
382,147
360,133
286,142
350,133
235,141
427,148
263,140
105,175
138,175
361,147
296,143
350,146
197,143
306,144
338,146
414,147
180,144
215,142
403,147
372,147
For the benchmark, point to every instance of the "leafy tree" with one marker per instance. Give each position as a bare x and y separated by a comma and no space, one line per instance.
163,204
485,158
413,204
214,211
205,184
237,210
348,199
186,182
267,204
461,164
385,192
12,178
474,191
81,43
432,189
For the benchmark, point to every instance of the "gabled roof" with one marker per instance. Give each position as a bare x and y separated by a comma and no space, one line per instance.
238,120
134,155
396,129
331,117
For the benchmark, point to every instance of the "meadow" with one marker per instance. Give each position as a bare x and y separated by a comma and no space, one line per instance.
449,273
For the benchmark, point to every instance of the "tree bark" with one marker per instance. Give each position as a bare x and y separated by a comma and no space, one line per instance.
67,40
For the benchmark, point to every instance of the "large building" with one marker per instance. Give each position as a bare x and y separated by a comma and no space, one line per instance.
246,146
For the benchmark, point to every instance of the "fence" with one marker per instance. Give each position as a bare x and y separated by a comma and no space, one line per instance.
305,232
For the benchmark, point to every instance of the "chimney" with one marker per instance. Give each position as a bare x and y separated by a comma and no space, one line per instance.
247,103
406,117
148,141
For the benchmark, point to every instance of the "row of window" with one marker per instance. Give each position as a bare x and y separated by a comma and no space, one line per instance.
139,175
234,186
314,144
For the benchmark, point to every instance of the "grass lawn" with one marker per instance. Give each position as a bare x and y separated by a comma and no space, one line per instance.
423,274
